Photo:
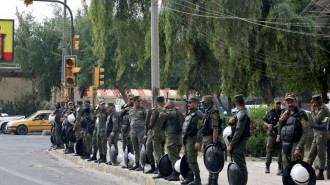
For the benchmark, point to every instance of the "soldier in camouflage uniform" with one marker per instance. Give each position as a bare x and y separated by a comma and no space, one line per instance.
77,126
88,130
271,119
192,140
319,120
112,127
101,134
297,119
58,126
211,130
168,116
53,130
241,131
137,116
156,128
70,110
124,125
149,137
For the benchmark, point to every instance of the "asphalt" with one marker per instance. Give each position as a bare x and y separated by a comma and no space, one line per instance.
24,160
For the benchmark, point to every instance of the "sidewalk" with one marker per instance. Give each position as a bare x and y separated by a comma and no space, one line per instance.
256,169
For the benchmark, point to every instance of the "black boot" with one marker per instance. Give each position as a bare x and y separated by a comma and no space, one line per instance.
135,167
156,171
168,176
87,156
174,177
214,182
197,180
152,169
267,168
103,159
320,175
69,151
279,171
123,166
93,157
139,168
60,146
188,180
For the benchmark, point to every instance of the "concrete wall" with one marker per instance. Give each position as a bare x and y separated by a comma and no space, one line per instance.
11,87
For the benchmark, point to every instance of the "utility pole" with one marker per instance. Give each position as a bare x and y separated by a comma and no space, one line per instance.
63,51
154,51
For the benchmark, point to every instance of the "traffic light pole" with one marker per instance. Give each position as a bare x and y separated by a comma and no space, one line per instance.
71,94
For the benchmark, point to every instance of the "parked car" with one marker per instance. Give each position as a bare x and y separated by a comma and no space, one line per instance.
4,119
36,122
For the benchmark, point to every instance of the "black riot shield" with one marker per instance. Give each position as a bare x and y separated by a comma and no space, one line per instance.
214,160
234,174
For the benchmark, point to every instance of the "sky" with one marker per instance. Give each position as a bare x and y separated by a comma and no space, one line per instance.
40,10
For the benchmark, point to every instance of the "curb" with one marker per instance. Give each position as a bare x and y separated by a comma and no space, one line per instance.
133,176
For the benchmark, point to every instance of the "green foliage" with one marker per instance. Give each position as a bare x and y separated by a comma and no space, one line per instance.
258,141
25,105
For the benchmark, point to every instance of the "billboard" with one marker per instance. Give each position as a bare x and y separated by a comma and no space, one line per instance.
6,40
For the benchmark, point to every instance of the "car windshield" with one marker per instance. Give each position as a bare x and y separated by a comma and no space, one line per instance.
31,116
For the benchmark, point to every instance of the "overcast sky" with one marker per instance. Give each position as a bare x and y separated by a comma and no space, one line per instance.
40,10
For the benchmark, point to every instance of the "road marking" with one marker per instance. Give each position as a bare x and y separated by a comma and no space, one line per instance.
35,180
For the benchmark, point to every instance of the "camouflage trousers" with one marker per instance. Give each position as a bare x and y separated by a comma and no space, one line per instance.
273,146
127,142
159,145
191,155
87,141
173,146
137,140
113,141
150,149
318,148
102,141
94,141
239,153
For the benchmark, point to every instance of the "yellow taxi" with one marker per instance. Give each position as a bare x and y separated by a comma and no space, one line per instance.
36,122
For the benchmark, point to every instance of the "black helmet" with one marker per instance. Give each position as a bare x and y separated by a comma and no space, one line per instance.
80,147
214,158
234,174
165,166
296,171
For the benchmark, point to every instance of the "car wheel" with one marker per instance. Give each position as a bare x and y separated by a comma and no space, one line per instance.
22,130
4,129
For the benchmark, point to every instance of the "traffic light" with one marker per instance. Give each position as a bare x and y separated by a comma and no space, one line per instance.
92,91
28,2
76,42
98,76
71,71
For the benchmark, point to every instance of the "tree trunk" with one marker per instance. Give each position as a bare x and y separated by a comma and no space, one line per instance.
123,94
267,92
324,85
228,108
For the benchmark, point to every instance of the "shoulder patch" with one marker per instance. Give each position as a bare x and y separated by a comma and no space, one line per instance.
214,116
304,122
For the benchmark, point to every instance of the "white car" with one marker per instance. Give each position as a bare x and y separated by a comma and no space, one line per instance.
4,119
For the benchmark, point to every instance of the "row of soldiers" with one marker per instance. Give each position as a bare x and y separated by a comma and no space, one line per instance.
161,126
164,124
296,124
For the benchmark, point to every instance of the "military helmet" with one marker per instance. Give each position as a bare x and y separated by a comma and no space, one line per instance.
299,172
143,156
80,147
226,135
214,158
52,119
165,166
234,174
113,154
71,118
181,166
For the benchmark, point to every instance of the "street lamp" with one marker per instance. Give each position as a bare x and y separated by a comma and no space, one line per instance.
167,91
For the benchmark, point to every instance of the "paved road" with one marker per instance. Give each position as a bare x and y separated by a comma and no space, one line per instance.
24,161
